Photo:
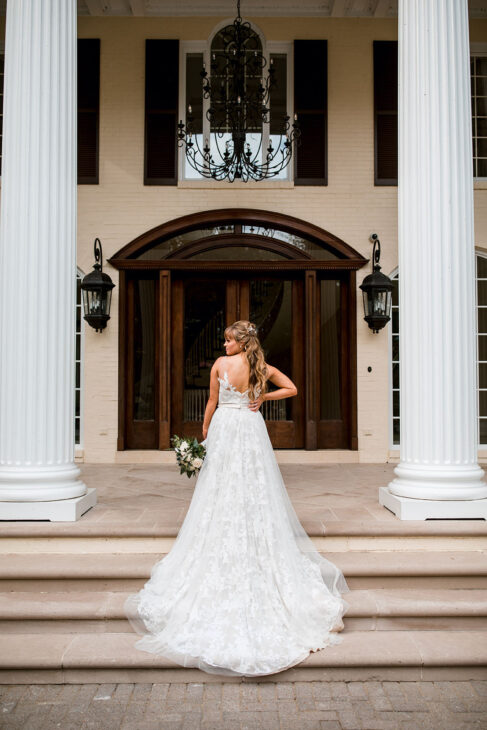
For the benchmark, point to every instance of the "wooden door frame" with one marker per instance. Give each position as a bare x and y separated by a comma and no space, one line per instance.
348,261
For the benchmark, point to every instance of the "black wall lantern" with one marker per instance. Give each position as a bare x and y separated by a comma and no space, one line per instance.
97,293
377,292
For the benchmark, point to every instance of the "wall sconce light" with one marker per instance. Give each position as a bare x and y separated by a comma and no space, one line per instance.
377,292
97,292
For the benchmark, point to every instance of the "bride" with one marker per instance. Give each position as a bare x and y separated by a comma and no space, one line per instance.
243,590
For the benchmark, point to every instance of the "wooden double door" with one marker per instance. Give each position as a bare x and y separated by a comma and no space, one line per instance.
174,330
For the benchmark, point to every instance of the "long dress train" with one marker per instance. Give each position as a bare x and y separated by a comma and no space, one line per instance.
243,590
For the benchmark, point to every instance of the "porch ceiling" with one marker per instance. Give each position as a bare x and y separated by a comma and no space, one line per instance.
254,8
251,8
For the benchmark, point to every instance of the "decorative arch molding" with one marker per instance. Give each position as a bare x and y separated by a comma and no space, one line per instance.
347,257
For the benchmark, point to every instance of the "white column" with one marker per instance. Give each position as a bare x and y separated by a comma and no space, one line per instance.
438,475
38,476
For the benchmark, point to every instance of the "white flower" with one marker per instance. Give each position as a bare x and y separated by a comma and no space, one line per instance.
183,447
197,463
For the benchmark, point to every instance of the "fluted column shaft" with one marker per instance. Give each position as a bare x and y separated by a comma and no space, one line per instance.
38,253
436,256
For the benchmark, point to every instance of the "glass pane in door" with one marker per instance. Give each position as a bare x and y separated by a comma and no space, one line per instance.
330,350
144,343
204,325
271,310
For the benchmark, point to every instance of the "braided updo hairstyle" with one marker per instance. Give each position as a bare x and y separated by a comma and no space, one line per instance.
245,333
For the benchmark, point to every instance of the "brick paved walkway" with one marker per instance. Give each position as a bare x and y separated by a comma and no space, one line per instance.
247,706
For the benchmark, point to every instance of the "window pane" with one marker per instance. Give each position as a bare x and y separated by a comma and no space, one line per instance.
483,347
482,319
481,86
483,403
395,292
395,347
395,375
330,350
483,430
204,314
278,100
395,403
194,90
481,267
483,375
481,147
194,99
239,253
482,292
481,106
481,66
144,326
271,310
396,432
481,168
395,320
278,107
481,126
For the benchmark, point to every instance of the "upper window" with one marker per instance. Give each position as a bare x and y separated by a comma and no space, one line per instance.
478,69
193,56
385,112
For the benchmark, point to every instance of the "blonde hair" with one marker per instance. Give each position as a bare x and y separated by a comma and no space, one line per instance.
245,333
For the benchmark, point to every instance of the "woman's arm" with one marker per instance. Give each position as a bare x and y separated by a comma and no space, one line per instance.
286,388
213,399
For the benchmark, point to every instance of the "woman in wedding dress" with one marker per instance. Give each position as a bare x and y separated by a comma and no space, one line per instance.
243,590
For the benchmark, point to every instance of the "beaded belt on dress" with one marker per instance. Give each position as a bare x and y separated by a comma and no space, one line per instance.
233,405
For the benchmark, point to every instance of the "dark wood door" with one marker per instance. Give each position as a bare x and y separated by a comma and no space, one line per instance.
173,329
275,304
334,361
202,307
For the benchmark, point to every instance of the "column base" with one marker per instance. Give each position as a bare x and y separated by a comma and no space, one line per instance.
406,508
61,510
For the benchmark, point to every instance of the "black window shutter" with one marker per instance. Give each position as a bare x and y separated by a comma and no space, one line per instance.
88,109
385,112
310,104
161,110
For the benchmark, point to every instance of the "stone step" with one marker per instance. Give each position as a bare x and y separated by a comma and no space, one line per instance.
362,655
128,572
373,610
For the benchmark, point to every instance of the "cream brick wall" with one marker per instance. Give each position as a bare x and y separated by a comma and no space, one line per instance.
121,207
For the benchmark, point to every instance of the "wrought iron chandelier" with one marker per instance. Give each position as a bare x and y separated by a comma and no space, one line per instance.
239,106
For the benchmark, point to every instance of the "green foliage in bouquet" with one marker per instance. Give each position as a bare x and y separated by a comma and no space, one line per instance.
190,454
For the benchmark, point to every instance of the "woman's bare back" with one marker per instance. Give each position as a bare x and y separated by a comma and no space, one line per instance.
237,369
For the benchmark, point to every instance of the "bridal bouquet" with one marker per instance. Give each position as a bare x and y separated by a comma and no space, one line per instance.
189,454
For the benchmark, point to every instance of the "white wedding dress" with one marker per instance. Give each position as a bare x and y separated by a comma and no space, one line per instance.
243,590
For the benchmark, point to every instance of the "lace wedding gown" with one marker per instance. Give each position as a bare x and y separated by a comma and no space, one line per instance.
243,590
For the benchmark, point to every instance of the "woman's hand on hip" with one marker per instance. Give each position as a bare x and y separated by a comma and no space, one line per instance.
256,404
